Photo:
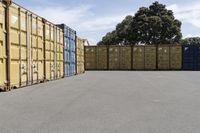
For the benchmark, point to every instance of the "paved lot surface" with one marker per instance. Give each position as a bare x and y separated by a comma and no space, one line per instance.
106,102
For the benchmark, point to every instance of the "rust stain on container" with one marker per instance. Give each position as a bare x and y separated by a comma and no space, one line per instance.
114,58
138,58
90,58
150,57
125,57
102,60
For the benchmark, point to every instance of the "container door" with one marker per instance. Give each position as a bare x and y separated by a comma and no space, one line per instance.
18,47
2,47
138,58
188,57
197,57
125,58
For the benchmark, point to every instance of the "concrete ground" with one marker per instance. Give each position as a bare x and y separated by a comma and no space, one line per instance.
106,102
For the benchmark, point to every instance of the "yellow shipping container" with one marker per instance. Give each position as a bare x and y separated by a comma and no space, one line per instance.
150,57
176,57
125,57
138,58
90,58
163,57
3,77
114,58
102,58
80,55
26,47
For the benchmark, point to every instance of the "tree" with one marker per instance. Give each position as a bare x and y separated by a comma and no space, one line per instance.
191,40
150,25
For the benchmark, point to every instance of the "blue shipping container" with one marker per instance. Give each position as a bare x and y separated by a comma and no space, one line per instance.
191,57
70,50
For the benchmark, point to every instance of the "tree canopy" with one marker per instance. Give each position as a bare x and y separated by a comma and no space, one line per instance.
150,25
191,40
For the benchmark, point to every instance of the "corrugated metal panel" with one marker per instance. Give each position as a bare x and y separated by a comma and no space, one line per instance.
163,58
2,48
138,57
150,57
175,57
125,57
197,57
50,53
90,58
67,68
188,57
26,47
59,49
102,54
80,56
114,57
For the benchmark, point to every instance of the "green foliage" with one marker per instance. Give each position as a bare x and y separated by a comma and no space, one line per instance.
152,25
191,40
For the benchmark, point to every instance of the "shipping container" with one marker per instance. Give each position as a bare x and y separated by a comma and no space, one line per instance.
150,57
114,56
191,57
90,58
80,55
69,50
138,58
25,47
176,57
3,66
102,58
125,57
163,57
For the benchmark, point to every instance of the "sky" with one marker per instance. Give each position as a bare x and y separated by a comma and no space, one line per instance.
92,19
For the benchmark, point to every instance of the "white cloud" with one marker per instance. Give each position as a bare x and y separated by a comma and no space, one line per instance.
80,18
189,13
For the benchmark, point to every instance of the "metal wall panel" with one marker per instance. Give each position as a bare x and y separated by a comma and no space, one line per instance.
150,57
163,57
114,57
138,58
50,53
176,57
90,58
80,56
102,58
3,77
125,57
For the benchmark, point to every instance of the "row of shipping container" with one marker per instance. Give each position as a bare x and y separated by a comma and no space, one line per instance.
161,57
34,50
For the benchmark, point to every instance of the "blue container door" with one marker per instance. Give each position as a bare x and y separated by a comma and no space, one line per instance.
188,57
196,57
